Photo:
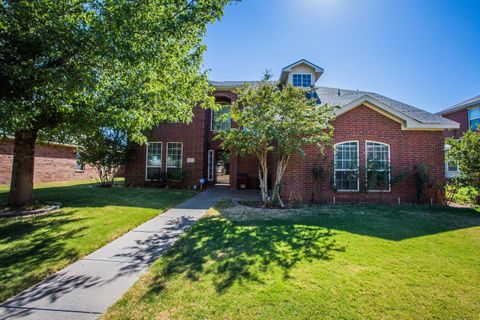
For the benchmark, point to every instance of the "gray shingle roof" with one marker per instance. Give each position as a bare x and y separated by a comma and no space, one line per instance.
464,104
332,96
231,84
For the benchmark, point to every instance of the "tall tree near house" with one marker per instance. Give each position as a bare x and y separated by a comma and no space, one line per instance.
279,122
70,66
466,152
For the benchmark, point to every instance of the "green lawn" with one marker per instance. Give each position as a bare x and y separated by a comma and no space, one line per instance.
342,262
31,248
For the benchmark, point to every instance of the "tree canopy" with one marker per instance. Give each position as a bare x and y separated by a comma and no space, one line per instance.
466,152
276,121
71,66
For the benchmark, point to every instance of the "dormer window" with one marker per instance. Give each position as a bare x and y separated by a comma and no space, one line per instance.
302,80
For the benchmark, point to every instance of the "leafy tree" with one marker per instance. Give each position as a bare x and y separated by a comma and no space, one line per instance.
466,152
105,150
69,66
276,122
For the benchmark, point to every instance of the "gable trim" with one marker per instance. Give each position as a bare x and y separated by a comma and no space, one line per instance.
407,123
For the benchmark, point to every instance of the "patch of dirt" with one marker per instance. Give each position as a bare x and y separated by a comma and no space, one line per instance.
35,209
261,205
241,212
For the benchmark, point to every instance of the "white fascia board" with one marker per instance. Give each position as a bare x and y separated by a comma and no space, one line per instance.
407,122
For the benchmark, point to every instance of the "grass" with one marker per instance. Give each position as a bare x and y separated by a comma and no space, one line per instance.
342,262
31,248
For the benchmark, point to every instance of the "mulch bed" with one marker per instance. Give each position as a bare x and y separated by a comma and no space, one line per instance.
260,205
36,209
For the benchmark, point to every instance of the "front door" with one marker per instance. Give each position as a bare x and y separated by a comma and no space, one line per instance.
222,167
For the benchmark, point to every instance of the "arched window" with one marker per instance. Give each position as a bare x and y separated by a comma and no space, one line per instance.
220,119
377,166
346,177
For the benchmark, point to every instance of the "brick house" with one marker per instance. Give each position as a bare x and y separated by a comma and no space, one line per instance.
54,162
467,114
368,128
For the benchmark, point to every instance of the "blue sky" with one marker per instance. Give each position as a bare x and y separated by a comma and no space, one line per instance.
425,53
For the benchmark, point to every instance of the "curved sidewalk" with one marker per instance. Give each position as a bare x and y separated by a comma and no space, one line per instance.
86,288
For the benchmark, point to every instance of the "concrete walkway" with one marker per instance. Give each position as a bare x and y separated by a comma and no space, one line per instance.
86,288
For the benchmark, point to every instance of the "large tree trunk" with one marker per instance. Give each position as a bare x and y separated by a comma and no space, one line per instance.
21,186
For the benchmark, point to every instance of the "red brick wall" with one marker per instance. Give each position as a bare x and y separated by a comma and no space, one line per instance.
192,136
197,139
461,117
53,163
407,148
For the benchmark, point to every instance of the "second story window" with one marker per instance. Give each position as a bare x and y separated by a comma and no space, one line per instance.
302,80
221,118
474,118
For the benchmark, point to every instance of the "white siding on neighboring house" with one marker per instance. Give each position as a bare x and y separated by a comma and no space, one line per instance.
451,167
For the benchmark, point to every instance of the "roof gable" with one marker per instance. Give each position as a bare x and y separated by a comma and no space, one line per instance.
407,122
318,71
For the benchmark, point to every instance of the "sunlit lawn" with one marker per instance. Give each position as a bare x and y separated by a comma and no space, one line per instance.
31,248
343,262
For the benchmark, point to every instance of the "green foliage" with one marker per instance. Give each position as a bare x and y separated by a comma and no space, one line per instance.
421,174
318,173
378,176
173,175
456,191
466,152
105,150
177,175
279,122
71,65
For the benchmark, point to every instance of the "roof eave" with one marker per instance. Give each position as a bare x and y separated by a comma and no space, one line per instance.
459,108
407,122
70,145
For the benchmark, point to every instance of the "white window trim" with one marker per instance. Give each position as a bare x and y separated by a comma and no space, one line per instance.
211,117
166,157
358,166
449,173
470,119
389,162
146,159
302,74
211,171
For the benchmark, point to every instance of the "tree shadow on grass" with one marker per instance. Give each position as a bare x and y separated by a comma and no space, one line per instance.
395,223
87,194
37,241
235,253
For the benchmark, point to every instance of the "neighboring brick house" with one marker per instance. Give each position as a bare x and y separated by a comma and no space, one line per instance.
467,114
54,162
368,128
